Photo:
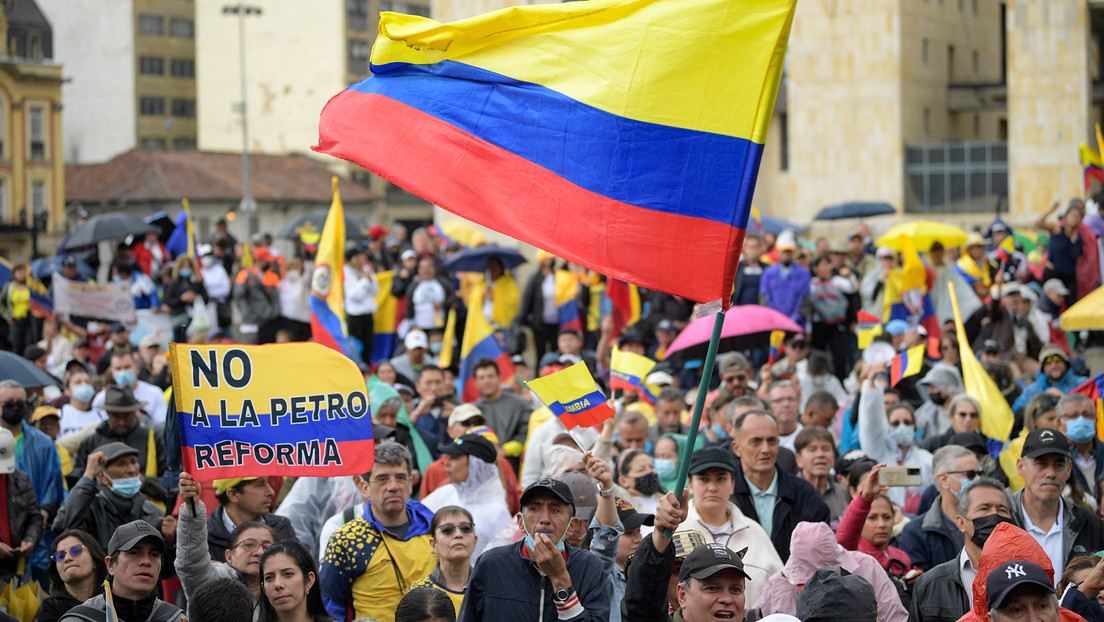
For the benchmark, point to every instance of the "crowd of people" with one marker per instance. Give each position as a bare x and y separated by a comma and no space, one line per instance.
484,506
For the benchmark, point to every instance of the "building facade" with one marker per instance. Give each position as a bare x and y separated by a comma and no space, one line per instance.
32,187
130,75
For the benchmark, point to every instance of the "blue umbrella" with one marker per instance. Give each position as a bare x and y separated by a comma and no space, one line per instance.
770,224
45,267
19,369
475,259
855,209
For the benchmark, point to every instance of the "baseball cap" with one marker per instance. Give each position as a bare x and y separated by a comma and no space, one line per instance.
376,232
463,412
630,518
991,346
848,460
129,535
1055,286
885,251
547,485
222,485
583,494
660,379
1010,575
402,388
118,327
706,561
1043,441
149,341
711,458
969,440
666,325
518,359
409,254
630,337
415,339
116,450
7,451
68,260
44,411
896,327
472,445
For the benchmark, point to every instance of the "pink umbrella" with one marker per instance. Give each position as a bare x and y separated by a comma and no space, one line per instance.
745,327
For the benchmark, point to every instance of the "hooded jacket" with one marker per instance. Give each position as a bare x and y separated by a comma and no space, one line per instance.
818,548
1068,382
1007,543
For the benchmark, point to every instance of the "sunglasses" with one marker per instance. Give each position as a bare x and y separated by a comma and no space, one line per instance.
1054,358
971,474
466,529
73,551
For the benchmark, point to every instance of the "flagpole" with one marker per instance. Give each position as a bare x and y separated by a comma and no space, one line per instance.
699,405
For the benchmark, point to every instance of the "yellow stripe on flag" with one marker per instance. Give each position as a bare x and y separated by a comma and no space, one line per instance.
996,414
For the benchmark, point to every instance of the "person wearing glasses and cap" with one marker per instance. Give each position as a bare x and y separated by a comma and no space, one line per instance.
475,484
1055,372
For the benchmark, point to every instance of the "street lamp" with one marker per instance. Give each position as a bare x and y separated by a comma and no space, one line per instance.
248,203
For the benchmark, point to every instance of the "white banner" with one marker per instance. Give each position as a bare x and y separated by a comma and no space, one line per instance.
103,301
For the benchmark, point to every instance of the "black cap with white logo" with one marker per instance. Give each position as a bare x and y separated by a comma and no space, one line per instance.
1045,441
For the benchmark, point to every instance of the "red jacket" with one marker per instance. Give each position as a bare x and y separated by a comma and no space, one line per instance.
849,535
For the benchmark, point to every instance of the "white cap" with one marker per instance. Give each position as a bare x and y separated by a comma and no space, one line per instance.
463,412
1056,286
660,379
416,339
409,254
786,241
7,451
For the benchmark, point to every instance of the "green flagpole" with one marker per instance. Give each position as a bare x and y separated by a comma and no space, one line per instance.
699,405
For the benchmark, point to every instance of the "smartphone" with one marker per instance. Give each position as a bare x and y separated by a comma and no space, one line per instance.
912,574
899,476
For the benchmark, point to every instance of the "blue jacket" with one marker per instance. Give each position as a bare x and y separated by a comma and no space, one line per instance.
926,541
1098,455
786,293
1065,384
506,586
797,502
41,461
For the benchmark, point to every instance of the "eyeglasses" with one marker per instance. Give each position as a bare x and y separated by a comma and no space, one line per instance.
473,422
1084,414
1054,358
466,529
970,414
779,400
970,474
383,480
73,551
252,545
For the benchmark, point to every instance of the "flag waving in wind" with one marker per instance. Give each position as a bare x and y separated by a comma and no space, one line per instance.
996,417
327,284
572,396
529,121
624,305
479,343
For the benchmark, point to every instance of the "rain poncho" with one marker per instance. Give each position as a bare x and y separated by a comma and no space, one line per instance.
482,494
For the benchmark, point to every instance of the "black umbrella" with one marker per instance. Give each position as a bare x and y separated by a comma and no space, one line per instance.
312,222
109,226
475,259
162,221
19,369
45,267
855,209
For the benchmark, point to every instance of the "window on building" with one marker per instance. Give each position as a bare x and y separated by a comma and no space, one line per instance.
151,65
36,121
183,108
184,143
152,25
975,62
183,28
1002,128
34,47
152,106
927,121
924,45
356,7
152,143
38,197
358,56
183,68
950,63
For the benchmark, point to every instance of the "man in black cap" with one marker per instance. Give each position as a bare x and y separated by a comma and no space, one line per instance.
989,351
540,576
834,595
135,556
1064,530
1018,587
122,425
99,511
711,585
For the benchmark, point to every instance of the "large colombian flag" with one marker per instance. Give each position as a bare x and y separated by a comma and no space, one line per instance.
327,284
622,135
385,321
479,343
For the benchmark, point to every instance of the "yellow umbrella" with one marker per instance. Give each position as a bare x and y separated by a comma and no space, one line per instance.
924,233
1087,313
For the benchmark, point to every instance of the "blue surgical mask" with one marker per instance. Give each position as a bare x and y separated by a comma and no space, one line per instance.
667,469
84,392
1081,430
531,543
963,484
126,487
436,347
719,431
186,273
903,435
125,378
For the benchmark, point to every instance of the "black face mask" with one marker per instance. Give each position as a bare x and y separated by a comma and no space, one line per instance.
787,264
647,485
937,398
14,412
984,526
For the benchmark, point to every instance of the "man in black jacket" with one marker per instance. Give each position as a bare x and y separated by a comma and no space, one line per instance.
242,500
945,593
765,493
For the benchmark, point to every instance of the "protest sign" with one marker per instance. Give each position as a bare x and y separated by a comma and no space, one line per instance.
103,301
297,409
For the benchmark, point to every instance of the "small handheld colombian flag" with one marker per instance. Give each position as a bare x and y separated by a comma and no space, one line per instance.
905,364
628,370
870,326
777,337
573,396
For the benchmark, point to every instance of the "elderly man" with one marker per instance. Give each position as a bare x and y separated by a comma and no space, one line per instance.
136,552
1064,530
668,411
784,398
1020,590
1077,420
540,577
122,425
934,539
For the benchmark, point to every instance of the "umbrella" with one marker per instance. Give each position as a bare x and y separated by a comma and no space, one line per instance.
745,327
855,209
770,224
45,267
923,234
313,222
1087,313
19,369
109,226
475,259
164,222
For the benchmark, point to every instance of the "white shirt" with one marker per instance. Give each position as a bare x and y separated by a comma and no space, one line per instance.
787,441
74,419
425,298
1051,541
156,406
360,291
550,313
1086,465
966,570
